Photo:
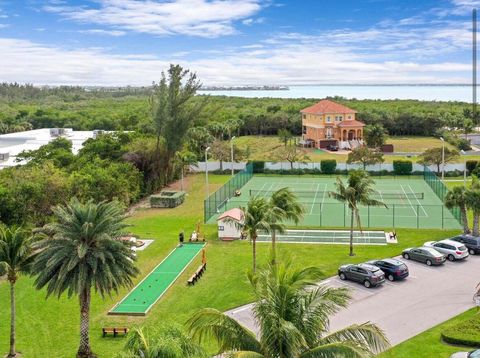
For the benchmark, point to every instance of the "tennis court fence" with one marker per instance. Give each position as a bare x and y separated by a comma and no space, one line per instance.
439,189
311,193
213,204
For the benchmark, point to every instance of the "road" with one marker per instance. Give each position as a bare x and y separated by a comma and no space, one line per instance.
403,309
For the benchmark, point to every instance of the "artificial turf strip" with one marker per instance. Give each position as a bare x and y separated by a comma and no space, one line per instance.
153,286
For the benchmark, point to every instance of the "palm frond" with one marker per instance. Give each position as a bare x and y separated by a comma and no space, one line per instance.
338,349
209,323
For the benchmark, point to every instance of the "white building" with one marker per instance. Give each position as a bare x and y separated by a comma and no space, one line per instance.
12,144
229,224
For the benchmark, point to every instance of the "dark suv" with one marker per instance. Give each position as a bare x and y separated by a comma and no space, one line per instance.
369,275
471,242
332,147
393,269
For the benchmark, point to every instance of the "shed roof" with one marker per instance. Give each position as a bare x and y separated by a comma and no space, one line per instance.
235,214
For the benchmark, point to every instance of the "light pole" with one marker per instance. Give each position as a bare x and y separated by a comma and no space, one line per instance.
464,170
443,158
231,153
206,171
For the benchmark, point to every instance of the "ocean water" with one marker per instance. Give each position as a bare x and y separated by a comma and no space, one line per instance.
430,93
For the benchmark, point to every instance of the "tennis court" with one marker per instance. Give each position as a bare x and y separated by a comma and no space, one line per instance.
141,299
327,237
411,202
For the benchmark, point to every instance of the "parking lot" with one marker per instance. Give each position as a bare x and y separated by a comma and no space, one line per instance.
403,309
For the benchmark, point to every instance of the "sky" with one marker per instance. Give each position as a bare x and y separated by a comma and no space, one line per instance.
236,42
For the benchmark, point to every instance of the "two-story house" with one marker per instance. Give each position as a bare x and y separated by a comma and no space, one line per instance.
328,122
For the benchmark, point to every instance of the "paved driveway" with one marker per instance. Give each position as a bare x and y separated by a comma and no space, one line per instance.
403,309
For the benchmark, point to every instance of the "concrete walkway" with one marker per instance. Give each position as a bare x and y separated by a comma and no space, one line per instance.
403,309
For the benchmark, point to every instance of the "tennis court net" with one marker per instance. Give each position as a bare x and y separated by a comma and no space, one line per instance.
311,194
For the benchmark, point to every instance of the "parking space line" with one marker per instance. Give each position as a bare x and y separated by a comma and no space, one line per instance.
362,288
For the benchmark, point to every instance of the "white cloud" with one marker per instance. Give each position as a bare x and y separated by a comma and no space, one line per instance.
114,33
286,64
251,21
203,18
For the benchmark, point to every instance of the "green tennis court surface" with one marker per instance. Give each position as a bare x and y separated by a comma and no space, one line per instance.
327,237
411,201
155,284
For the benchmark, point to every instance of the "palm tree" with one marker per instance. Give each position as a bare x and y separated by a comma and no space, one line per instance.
458,197
473,203
257,216
16,257
292,313
358,192
168,342
80,252
285,206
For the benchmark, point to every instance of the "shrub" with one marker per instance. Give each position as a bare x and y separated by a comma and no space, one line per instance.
402,167
465,333
463,144
328,166
471,165
258,166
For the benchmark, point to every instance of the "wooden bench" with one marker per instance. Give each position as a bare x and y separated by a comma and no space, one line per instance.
197,274
114,330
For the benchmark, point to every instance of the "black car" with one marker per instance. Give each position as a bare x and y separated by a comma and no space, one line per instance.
471,242
369,275
332,147
393,269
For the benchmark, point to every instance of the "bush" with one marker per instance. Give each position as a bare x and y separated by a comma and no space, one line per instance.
466,333
328,166
402,167
258,166
471,165
463,144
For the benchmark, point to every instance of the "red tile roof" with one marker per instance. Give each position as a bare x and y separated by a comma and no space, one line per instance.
351,123
327,106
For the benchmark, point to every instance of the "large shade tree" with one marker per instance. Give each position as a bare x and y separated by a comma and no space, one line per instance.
16,257
357,191
292,313
80,252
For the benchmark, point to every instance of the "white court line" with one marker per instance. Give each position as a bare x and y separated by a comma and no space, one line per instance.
315,199
418,200
323,198
416,214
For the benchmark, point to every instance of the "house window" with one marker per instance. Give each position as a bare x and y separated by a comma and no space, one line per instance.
221,228
304,116
304,129
349,117
328,119
329,133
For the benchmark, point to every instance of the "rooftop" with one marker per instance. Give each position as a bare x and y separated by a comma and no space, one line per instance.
15,143
327,106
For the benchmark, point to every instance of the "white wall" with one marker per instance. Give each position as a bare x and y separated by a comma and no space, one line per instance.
230,230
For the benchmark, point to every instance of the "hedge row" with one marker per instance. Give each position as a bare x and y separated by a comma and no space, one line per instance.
466,333
327,166
402,167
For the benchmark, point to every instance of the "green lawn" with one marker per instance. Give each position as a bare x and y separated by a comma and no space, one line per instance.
263,148
429,344
50,328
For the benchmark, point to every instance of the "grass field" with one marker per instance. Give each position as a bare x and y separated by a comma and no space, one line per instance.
411,203
429,344
263,148
50,328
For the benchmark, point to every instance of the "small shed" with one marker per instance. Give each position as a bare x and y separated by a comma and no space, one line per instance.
228,224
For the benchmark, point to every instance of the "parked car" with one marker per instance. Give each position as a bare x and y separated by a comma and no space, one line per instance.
453,250
369,275
471,242
427,255
393,269
471,354
332,147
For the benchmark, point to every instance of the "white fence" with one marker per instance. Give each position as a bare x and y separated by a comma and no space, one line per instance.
212,166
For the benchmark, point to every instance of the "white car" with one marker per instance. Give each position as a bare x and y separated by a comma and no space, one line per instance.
472,354
451,249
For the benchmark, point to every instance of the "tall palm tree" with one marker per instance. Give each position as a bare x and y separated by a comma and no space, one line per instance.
168,342
284,206
358,191
257,217
80,252
457,197
473,203
292,313
16,257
